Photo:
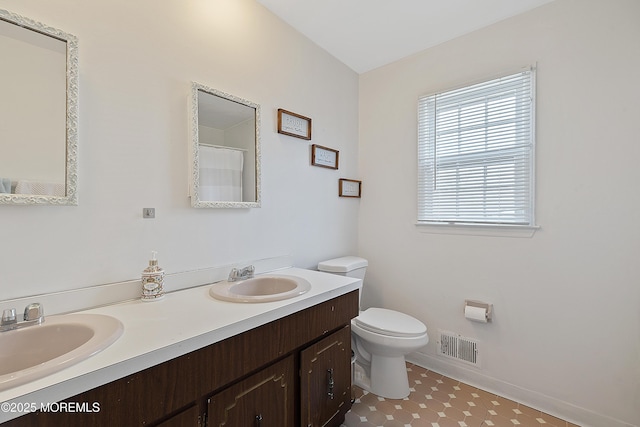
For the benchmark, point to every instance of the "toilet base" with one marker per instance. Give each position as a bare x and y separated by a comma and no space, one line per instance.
361,377
385,377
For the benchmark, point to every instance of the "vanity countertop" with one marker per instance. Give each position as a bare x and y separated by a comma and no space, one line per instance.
154,332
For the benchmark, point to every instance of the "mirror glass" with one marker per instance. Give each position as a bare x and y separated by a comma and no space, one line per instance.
38,113
225,149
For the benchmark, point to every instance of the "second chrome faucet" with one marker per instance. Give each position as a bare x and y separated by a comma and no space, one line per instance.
241,274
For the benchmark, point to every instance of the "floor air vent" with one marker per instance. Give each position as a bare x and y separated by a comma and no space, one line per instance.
460,348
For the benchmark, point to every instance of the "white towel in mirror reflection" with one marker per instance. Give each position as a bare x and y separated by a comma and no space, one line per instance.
220,174
40,188
5,185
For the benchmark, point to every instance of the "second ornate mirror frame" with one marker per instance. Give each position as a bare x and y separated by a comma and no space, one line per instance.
196,201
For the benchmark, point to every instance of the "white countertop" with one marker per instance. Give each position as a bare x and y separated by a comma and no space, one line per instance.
157,331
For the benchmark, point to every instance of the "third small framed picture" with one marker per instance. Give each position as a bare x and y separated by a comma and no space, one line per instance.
350,188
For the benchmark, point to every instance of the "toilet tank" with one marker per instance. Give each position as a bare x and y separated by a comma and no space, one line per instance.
350,266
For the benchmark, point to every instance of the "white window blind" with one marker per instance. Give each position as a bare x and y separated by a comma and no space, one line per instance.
475,153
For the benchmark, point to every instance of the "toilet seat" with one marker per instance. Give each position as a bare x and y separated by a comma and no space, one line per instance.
390,323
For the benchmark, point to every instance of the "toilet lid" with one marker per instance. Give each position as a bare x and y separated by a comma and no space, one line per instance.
390,322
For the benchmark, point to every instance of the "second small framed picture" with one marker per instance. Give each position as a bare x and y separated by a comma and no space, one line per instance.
324,157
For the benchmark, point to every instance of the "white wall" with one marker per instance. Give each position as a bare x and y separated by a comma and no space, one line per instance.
137,60
566,334
210,136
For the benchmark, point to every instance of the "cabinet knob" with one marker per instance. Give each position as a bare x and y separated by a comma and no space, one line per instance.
259,420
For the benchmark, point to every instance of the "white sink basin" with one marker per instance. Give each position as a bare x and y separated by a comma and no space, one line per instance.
260,289
61,341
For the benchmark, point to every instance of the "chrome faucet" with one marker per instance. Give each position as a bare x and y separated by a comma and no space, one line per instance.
33,315
241,274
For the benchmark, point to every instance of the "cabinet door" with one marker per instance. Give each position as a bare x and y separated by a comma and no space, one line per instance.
187,418
325,383
265,399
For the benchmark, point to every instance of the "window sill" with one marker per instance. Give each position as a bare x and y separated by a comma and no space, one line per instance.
490,230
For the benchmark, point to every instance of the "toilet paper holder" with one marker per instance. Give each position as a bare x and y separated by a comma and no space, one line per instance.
479,304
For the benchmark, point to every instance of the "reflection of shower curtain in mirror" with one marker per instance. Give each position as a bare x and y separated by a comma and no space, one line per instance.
220,174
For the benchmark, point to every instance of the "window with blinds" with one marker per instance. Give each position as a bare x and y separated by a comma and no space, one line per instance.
475,153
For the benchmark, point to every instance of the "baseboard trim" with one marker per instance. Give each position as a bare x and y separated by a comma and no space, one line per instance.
539,401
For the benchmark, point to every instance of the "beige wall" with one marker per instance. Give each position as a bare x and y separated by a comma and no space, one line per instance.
137,60
566,334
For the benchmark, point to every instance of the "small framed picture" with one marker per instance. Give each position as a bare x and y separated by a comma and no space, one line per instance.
349,188
293,124
324,157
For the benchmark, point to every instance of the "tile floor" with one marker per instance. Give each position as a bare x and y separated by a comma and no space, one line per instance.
439,401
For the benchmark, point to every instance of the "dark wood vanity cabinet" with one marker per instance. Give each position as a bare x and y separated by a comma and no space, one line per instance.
294,371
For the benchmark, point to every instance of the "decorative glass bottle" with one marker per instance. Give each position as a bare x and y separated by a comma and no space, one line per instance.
152,280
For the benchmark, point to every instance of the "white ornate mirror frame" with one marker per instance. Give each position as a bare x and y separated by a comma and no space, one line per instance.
71,178
195,151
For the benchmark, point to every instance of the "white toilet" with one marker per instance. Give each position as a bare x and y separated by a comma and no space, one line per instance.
380,339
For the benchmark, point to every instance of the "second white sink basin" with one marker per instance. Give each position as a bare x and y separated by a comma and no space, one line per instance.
36,351
261,289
